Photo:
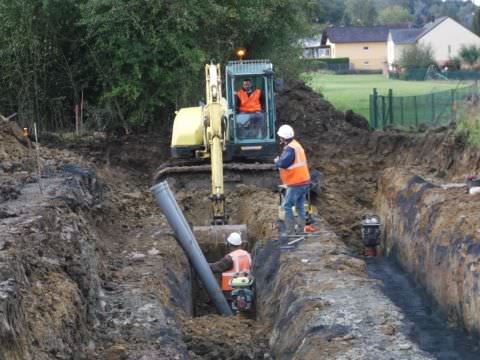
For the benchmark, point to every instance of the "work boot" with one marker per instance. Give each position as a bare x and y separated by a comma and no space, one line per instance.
289,226
300,225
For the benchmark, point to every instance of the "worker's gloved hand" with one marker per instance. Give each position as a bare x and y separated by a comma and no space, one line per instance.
275,160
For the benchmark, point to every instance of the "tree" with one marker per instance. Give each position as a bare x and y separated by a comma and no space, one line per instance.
416,57
41,60
470,54
476,22
393,14
150,55
360,12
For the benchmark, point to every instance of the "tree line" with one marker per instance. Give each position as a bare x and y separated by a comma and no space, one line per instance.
377,12
131,63
127,63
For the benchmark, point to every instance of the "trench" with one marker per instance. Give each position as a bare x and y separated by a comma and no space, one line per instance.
239,337
426,324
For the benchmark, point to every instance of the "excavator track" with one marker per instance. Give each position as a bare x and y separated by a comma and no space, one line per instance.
195,174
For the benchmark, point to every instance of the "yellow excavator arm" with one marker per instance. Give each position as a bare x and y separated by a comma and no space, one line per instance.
215,136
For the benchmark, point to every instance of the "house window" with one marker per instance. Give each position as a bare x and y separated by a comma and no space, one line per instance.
365,63
365,48
449,50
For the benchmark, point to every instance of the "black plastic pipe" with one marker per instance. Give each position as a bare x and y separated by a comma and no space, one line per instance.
184,235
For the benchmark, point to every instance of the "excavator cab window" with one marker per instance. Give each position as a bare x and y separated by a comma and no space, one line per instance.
251,124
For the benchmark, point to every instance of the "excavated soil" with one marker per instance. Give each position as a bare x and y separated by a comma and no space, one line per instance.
90,269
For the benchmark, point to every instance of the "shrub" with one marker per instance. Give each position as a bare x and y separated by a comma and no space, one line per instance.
470,54
416,57
469,125
335,64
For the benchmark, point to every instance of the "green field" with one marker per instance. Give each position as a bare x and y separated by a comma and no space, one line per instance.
352,91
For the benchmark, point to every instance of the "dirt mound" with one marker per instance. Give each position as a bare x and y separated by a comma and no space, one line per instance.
217,337
13,146
311,115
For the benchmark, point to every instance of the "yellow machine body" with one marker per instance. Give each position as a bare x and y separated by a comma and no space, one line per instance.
188,128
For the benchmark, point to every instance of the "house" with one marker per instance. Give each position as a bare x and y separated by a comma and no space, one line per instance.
444,35
366,47
375,47
313,48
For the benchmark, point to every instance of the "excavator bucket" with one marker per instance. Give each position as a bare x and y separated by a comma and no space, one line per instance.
212,239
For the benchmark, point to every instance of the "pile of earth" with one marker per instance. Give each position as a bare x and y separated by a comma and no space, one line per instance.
216,337
13,146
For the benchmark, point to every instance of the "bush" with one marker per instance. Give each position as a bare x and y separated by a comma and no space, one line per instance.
335,64
470,54
416,57
469,126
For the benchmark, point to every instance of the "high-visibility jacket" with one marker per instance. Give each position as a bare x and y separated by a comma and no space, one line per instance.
250,103
242,262
297,173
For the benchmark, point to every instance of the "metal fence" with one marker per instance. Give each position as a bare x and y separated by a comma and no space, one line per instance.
432,109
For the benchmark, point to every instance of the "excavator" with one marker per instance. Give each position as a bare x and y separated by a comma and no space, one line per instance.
230,146
215,138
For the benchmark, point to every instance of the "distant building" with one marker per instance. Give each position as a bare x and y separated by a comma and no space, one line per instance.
379,47
366,47
444,35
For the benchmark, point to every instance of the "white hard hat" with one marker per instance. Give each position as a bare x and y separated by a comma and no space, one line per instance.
285,131
235,239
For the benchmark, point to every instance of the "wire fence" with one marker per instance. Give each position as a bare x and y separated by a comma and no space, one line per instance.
434,109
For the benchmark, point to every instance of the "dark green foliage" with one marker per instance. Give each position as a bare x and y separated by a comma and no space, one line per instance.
476,22
470,54
134,61
416,57
360,12
393,14
336,64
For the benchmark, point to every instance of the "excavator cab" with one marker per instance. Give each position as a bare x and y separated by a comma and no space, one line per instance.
251,135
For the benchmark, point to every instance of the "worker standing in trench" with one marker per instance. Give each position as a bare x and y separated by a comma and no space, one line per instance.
295,175
236,261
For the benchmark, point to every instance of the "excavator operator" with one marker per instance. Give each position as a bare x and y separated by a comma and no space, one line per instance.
248,102
237,261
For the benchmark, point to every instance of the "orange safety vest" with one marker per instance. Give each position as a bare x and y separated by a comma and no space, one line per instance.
250,103
242,262
296,173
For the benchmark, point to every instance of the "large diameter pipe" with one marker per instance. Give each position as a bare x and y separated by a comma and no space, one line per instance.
169,207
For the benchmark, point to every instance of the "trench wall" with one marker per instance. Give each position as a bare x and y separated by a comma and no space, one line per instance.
435,235
320,303
49,283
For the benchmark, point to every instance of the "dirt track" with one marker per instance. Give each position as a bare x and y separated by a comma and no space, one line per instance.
93,252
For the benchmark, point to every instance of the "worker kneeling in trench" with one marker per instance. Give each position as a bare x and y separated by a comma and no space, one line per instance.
236,282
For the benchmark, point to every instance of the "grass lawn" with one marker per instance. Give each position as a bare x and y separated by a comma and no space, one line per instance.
353,91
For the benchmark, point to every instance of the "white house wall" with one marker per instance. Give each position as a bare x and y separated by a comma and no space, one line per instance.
447,38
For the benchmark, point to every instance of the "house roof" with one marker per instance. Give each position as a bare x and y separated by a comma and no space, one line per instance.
411,36
431,25
405,36
352,34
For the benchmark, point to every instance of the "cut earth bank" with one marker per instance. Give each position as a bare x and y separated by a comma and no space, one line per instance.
90,269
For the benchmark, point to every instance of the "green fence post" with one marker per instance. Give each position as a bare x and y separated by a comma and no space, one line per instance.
390,105
401,111
453,114
384,115
433,108
375,108
416,110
